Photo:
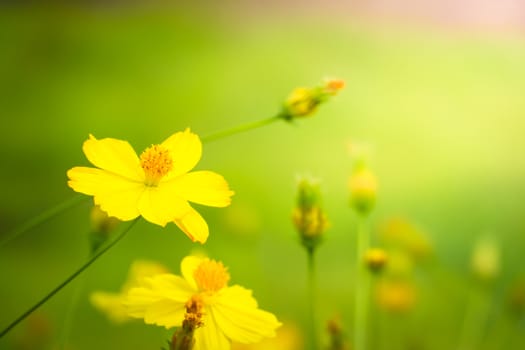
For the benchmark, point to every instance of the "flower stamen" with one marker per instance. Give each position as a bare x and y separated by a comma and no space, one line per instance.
156,162
211,276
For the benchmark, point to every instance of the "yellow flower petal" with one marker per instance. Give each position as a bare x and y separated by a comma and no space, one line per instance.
186,151
139,299
239,318
161,301
165,313
203,187
115,156
209,336
116,195
161,205
194,226
188,266
111,304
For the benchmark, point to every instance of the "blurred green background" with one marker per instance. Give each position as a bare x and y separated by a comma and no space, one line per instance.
442,111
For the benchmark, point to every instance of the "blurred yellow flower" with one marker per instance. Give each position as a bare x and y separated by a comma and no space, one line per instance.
397,296
112,303
485,259
400,233
228,313
158,185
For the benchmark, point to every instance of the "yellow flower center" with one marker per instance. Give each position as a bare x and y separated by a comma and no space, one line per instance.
156,162
211,276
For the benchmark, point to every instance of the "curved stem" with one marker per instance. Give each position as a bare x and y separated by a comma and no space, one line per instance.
41,218
240,128
69,279
312,298
362,281
68,318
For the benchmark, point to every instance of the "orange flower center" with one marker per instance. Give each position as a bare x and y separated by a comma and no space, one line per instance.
156,162
211,276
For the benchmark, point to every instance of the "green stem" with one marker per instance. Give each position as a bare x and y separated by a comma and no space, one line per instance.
240,128
68,319
312,298
69,279
41,218
475,319
362,282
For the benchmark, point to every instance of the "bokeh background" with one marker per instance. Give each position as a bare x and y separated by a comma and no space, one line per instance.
434,89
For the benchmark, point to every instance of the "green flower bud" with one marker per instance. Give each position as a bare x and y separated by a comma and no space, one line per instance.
308,217
101,226
303,101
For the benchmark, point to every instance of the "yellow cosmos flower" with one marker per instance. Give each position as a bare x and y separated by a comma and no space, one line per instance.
228,313
158,185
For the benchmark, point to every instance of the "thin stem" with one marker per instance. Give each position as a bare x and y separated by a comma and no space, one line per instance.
312,298
362,282
69,279
41,218
240,128
68,319
476,315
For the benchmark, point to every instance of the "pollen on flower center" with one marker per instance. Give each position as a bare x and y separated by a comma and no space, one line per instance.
211,276
156,162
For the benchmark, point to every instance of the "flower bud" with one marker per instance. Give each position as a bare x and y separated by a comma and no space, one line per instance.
337,334
376,259
303,101
363,190
308,217
101,226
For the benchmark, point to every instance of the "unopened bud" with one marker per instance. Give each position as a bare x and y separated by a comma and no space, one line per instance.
303,101
308,216
101,226
376,259
363,190
336,333
183,338
310,222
